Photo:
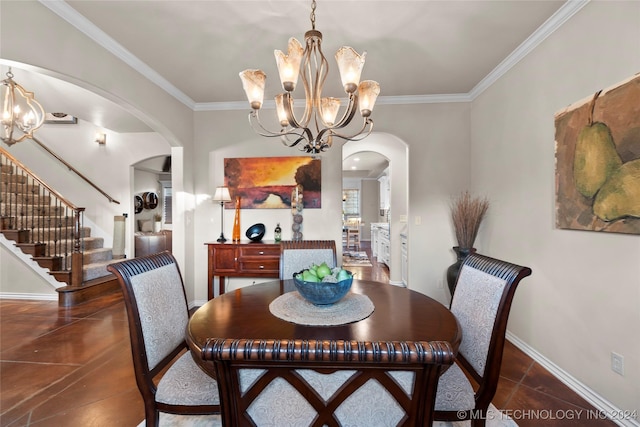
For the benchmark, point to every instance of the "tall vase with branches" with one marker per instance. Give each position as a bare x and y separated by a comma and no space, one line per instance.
467,213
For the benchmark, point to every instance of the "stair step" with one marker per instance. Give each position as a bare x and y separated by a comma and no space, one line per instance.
9,176
99,255
96,270
58,234
53,263
19,187
8,209
74,295
26,199
18,236
33,249
35,221
87,244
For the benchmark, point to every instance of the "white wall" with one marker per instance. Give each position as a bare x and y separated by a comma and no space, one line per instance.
583,299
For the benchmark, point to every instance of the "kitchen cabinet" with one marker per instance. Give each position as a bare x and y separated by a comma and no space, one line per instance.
380,243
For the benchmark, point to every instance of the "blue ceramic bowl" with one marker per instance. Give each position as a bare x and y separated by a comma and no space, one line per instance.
255,233
323,293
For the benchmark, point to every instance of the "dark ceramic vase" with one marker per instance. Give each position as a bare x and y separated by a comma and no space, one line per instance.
454,269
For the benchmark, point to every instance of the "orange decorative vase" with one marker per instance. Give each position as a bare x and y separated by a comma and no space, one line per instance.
235,236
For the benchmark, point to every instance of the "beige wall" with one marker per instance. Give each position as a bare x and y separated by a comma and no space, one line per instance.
583,299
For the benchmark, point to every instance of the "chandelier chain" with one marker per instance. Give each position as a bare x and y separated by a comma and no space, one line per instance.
313,15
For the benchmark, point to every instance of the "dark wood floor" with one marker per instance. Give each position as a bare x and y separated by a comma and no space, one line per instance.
72,367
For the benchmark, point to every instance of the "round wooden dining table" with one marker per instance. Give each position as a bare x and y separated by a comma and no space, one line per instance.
399,314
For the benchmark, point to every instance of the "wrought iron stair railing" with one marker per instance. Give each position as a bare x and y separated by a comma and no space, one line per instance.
41,221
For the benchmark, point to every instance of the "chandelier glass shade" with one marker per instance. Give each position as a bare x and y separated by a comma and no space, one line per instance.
320,122
21,113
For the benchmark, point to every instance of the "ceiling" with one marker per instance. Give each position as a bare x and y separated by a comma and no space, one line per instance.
418,50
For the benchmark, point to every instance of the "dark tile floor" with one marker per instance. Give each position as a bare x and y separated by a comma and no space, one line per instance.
72,367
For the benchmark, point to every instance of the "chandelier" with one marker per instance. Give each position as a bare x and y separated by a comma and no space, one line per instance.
318,125
21,113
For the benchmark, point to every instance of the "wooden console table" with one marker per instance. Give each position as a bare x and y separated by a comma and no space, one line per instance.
243,259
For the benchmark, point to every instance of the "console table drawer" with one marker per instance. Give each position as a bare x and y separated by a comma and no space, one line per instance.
260,266
260,251
241,259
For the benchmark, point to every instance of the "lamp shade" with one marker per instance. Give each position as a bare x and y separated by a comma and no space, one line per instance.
289,65
368,91
282,113
350,65
330,107
222,195
253,82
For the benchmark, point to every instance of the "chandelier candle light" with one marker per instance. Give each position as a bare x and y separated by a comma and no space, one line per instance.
20,111
222,195
318,125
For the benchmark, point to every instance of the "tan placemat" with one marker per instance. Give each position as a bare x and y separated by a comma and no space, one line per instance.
292,307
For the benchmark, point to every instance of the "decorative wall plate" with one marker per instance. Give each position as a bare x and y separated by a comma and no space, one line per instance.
138,203
150,200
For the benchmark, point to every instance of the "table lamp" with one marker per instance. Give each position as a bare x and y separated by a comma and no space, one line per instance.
222,195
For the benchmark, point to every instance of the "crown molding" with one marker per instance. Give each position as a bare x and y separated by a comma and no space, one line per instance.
554,22
73,17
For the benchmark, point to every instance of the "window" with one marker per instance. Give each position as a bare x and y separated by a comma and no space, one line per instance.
166,205
351,202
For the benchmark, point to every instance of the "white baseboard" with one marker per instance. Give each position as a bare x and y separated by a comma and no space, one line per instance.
599,402
35,297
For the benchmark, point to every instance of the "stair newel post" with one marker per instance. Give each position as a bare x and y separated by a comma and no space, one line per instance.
76,256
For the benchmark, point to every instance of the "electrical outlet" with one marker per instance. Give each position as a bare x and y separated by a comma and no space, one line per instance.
617,363
418,220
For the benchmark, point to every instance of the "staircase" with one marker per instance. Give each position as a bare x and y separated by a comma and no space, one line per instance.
49,229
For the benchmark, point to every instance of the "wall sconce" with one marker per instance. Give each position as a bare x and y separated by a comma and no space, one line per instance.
101,138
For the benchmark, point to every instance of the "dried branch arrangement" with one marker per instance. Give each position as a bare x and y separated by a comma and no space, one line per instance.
467,213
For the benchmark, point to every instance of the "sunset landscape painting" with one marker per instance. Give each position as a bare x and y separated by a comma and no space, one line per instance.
267,182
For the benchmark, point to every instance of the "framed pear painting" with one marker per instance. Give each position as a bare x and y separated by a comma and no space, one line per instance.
598,161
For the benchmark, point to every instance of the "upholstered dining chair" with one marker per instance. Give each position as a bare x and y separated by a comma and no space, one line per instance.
296,255
327,383
481,303
158,313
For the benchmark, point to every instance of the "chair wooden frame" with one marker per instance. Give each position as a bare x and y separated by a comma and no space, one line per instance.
287,245
370,360
146,378
487,383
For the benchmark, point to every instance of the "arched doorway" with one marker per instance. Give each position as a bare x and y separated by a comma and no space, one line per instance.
395,212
